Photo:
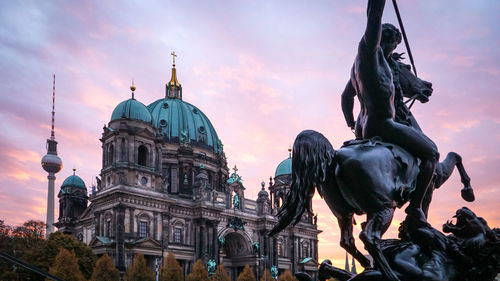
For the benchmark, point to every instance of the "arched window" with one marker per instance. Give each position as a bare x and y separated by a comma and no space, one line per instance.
178,232
111,153
177,235
305,250
143,155
143,229
108,228
143,225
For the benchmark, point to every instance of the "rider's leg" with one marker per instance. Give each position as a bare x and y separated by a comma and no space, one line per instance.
419,145
424,179
428,198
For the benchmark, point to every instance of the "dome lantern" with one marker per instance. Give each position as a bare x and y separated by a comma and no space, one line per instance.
132,88
131,109
173,89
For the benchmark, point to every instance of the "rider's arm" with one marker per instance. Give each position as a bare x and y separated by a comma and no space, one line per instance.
348,104
373,31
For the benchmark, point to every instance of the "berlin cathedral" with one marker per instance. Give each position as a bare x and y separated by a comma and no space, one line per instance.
165,187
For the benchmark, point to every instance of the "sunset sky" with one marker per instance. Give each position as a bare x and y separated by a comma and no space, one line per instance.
262,71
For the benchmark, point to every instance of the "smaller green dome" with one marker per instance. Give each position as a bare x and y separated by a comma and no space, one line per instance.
73,181
131,109
284,168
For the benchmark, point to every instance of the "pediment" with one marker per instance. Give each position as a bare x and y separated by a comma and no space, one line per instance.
146,243
88,212
309,261
100,241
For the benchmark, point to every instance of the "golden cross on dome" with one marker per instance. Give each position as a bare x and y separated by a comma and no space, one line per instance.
235,169
173,57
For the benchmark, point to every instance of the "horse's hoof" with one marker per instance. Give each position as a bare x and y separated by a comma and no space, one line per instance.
468,194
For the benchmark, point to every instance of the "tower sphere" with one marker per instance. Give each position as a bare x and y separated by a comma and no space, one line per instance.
51,163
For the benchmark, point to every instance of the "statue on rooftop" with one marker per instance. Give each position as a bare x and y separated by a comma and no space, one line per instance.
236,201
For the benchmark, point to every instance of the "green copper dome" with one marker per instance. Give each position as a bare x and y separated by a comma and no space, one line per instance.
73,181
131,109
284,168
179,121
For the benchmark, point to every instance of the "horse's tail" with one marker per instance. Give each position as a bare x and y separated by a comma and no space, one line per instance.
312,158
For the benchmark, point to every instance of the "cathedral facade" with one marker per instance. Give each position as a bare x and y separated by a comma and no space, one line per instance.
165,187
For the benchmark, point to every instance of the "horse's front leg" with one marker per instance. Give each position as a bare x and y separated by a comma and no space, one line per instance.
377,224
347,239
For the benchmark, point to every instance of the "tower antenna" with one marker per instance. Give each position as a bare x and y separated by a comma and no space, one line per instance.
52,133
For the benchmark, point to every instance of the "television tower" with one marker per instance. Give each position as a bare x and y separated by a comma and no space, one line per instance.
52,164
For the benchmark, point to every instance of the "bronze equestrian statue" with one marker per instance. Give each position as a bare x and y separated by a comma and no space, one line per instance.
392,161
363,177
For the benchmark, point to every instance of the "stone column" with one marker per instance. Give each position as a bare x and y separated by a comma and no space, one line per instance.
96,224
316,249
118,150
204,242
215,241
197,238
101,225
131,151
275,251
120,236
132,222
293,252
155,226
165,220
103,156
174,180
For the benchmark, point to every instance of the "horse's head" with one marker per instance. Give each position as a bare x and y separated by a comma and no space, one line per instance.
412,86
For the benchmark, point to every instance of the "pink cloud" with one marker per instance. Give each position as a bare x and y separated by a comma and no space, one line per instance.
261,73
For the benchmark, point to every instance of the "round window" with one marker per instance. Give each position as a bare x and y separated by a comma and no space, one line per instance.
144,181
195,110
163,122
165,105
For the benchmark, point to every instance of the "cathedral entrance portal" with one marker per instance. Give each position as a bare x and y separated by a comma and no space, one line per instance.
236,253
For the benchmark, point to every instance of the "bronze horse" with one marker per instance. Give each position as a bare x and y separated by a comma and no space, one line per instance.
363,177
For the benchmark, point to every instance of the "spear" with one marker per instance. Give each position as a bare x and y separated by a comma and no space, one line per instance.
406,44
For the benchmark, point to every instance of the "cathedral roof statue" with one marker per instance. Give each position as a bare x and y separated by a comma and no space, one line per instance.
263,194
131,109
